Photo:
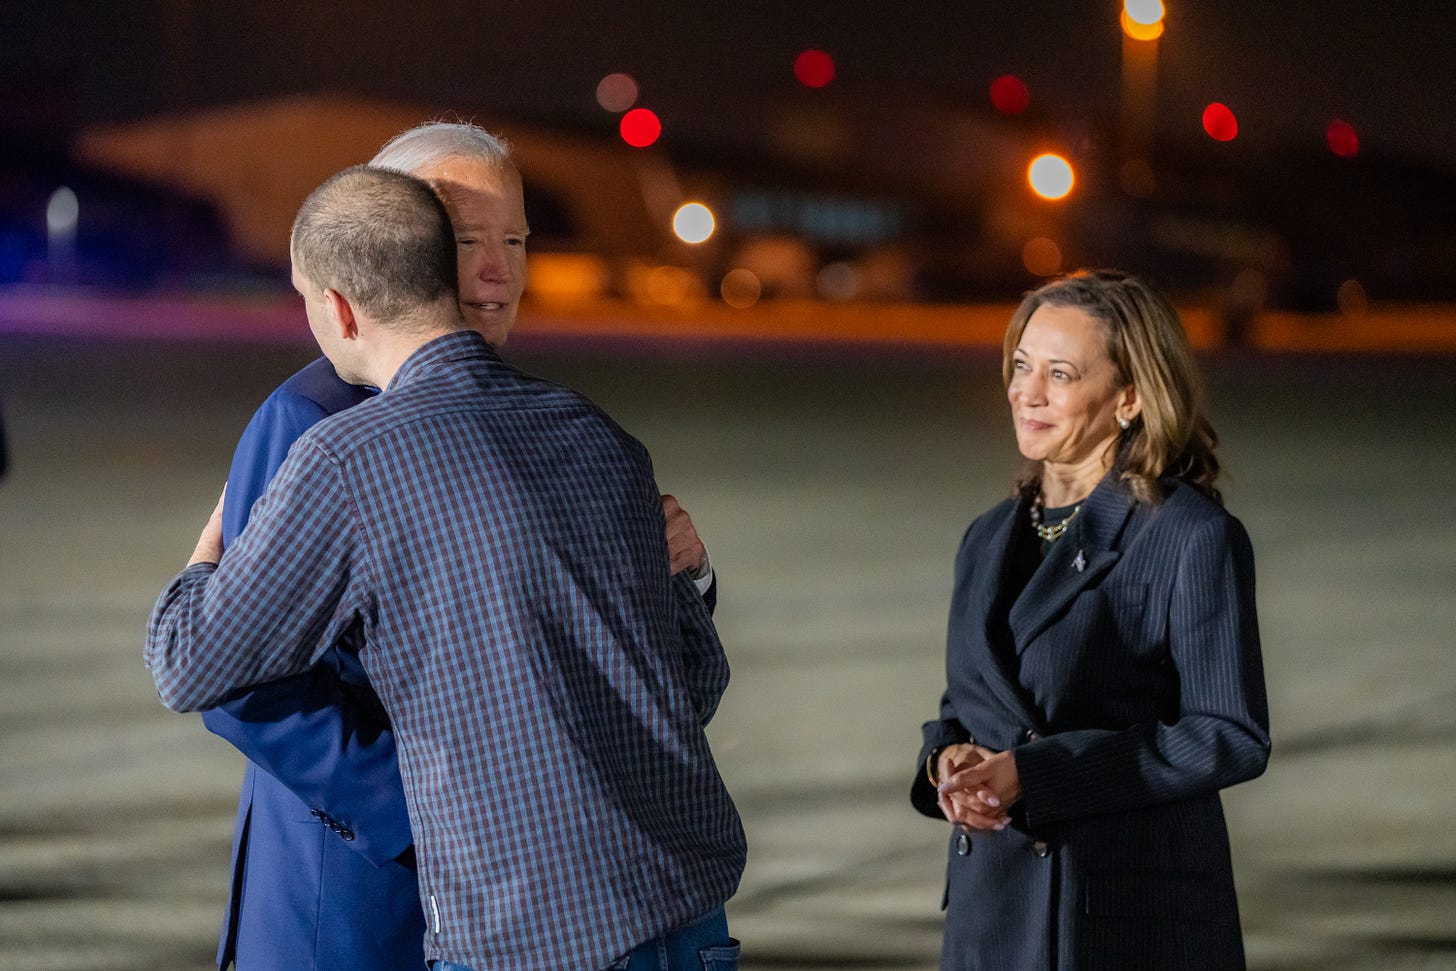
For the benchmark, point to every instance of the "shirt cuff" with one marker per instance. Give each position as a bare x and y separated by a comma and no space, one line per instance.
703,581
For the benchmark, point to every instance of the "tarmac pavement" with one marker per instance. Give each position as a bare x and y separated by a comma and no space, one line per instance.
832,489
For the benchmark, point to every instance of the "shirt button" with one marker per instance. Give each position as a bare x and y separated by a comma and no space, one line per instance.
963,844
1041,849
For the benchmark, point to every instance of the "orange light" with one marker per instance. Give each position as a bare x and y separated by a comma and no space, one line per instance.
1041,256
1138,31
565,277
740,288
1352,299
1050,176
640,127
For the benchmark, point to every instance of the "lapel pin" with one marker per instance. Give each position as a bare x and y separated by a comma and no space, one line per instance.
1080,563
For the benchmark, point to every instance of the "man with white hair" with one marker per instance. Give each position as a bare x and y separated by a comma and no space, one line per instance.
323,860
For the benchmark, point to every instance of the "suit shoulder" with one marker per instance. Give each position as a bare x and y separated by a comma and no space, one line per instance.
1185,503
993,516
987,522
1186,512
318,385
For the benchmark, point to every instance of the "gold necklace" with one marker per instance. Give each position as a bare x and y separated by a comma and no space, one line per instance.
1051,534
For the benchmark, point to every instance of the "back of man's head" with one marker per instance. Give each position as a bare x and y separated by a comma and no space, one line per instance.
382,239
435,141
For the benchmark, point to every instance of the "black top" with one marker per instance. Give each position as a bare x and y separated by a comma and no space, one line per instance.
1027,551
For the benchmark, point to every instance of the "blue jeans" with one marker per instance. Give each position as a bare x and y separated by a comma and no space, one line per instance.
702,945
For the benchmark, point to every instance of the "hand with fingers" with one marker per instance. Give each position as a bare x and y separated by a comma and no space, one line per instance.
978,791
685,548
209,544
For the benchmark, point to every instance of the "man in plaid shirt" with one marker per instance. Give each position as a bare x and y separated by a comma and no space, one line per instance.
499,544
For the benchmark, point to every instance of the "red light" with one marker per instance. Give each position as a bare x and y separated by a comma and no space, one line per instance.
1220,122
1342,139
1009,95
640,127
814,69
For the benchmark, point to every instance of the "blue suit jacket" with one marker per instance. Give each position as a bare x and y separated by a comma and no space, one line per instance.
322,816
1127,678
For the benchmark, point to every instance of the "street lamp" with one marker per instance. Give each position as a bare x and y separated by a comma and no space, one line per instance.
1142,25
693,223
1143,19
1050,176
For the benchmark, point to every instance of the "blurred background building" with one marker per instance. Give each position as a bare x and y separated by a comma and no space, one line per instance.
1253,162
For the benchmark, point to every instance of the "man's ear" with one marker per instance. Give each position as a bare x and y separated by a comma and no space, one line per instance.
341,314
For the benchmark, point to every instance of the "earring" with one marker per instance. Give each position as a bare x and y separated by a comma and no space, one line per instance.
1124,424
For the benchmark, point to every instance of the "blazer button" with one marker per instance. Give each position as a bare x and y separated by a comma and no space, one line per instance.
346,834
1041,849
1030,735
316,813
963,844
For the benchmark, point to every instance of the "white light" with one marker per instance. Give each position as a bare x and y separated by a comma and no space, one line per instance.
62,212
1050,176
693,222
1145,12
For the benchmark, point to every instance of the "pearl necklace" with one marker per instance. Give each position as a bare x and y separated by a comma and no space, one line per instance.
1051,534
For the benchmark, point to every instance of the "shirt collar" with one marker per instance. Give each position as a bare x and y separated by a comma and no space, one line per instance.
458,345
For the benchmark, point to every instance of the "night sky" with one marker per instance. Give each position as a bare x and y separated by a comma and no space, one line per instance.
1286,68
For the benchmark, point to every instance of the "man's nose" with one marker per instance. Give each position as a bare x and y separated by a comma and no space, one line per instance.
494,265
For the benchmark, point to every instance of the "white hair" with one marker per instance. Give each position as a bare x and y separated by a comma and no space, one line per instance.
436,141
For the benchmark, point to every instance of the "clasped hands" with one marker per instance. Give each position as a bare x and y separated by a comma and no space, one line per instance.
978,786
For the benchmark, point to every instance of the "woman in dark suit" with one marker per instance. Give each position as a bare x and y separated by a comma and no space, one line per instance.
1103,673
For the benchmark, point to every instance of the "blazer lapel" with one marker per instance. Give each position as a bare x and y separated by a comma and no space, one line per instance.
983,654
1077,561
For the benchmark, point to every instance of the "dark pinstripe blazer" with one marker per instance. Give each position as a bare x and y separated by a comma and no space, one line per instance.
1129,682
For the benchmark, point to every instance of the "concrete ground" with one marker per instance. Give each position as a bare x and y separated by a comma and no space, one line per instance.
832,491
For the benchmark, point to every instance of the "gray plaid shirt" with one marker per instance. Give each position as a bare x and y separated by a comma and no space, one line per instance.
499,543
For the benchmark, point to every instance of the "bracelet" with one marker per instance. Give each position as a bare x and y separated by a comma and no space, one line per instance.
930,765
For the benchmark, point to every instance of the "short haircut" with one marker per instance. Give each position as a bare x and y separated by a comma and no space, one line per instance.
436,141
381,239
1149,350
